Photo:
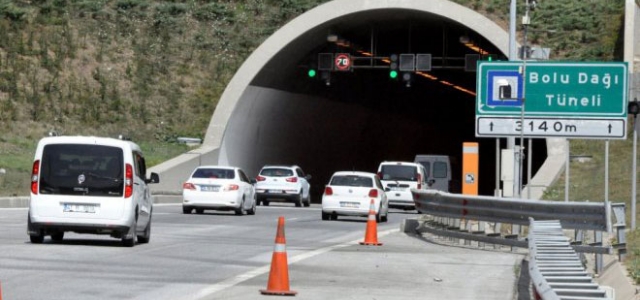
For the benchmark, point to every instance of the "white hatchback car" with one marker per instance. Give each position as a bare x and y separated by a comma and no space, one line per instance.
283,183
219,188
93,185
349,193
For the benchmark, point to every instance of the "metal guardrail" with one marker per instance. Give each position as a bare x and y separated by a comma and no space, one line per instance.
572,215
455,216
556,270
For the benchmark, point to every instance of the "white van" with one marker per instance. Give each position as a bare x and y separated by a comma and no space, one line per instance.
438,170
398,178
90,185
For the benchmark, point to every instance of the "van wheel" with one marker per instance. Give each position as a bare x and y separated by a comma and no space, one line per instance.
325,216
129,242
36,239
199,211
146,236
57,236
186,210
383,218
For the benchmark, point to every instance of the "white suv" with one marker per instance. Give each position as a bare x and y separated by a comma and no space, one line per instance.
398,178
283,183
90,185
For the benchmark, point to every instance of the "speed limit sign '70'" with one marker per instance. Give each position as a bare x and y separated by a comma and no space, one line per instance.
342,62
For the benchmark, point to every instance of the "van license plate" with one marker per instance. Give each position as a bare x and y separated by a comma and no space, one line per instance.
397,189
275,191
79,208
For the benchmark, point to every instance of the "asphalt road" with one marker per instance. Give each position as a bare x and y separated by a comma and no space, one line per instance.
218,255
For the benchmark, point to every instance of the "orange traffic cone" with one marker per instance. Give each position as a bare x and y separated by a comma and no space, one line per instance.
371,234
279,275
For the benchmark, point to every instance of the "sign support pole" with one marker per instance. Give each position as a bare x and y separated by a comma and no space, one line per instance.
633,173
566,172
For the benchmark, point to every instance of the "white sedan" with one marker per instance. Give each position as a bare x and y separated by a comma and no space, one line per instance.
219,188
349,193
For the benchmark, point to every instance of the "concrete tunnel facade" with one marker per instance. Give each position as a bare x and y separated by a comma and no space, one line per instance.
259,120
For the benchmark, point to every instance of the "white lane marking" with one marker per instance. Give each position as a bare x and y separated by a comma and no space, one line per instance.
217,287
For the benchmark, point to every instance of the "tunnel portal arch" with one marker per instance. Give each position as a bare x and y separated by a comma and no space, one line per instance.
236,132
321,15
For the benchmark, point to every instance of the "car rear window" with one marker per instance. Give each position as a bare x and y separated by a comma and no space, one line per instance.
73,169
214,173
398,172
351,180
276,172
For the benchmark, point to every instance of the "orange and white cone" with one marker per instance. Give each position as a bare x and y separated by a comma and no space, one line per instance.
371,234
279,275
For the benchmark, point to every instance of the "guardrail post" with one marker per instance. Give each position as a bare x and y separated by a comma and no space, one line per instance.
598,242
579,236
620,226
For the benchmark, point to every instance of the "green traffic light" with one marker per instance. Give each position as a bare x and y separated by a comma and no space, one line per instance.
312,73
393,74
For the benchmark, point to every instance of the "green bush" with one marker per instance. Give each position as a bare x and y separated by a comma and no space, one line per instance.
12,12
212,12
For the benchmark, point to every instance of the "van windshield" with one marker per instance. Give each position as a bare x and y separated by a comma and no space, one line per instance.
399,172
73,169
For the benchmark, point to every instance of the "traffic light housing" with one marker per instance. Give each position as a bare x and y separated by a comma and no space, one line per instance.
393,66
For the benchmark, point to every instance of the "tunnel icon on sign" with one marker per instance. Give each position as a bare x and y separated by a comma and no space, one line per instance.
505,88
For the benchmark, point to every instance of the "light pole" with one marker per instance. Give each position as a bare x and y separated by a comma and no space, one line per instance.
633,109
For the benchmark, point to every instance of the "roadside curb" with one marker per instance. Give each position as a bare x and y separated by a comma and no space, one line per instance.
14,202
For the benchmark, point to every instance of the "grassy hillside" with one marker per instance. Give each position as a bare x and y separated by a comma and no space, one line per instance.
154,70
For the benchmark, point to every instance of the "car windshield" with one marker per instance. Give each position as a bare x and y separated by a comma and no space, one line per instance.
351,180
214,173
398,172
277,172
72,169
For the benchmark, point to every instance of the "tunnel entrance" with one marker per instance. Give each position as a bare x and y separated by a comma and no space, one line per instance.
353,120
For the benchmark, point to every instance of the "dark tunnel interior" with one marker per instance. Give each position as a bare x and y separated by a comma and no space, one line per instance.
433,112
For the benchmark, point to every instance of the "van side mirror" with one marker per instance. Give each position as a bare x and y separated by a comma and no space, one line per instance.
431,182
308,177
155,178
